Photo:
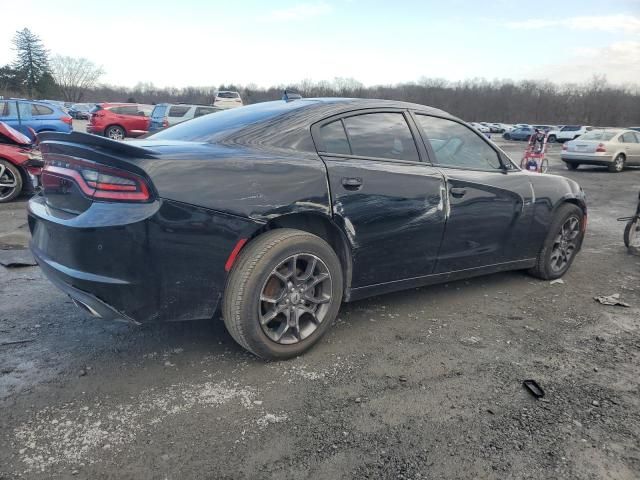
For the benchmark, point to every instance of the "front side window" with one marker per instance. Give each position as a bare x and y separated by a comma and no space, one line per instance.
456,145
178,111
7,109
334,138
381,135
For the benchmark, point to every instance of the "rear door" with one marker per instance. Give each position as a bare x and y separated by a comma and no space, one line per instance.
489,208
385,196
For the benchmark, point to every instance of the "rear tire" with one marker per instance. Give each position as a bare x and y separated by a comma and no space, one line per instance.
506,136
10,181
266,280
551,139
618,164
563,242
572,165
114,132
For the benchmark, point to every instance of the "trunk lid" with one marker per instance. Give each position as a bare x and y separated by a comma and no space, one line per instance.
14,135
583,146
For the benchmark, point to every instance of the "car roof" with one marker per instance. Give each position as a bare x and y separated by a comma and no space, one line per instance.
287,122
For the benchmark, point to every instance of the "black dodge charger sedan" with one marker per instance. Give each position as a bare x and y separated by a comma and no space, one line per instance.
273,214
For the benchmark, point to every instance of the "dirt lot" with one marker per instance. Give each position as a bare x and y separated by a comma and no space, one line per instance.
420,384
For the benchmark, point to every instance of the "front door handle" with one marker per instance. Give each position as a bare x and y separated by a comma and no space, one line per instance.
457,192
352,183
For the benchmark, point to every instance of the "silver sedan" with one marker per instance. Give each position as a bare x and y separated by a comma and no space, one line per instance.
615,148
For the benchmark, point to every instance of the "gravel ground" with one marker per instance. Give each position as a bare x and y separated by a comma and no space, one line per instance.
420,384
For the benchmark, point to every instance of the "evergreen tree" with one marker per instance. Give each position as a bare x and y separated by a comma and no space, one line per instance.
32,60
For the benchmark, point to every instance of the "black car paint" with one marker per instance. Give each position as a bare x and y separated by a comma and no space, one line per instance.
164,260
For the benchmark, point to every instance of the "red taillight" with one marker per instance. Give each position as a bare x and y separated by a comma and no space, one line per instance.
565,146
165,122
98,181
601,148
68,120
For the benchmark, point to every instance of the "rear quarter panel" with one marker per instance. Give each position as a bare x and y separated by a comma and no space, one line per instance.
259,184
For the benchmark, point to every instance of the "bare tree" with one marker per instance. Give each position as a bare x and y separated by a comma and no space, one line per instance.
74,76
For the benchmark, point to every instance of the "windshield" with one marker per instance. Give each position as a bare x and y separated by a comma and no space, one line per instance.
602,135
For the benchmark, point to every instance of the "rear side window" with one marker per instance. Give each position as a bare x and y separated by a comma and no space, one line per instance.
40,110
628,138
571,128
204,111
456,145
381,135
125,110
333,138
178,111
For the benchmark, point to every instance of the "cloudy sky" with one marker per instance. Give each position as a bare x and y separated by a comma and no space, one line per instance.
200,42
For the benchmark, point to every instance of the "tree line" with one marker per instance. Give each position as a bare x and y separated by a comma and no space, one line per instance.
36,74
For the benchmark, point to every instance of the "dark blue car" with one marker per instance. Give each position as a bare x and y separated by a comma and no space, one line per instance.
523,133
24,115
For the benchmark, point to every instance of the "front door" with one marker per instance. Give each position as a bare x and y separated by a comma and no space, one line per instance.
388,201
489,208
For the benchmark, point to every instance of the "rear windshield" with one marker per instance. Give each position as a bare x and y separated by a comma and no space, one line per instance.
602,135
228,123
158,111
228,95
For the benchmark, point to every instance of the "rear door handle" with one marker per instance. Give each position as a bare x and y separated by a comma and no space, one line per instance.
352,183
457,192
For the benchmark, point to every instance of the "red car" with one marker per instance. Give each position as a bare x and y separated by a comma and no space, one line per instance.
120,120
20,163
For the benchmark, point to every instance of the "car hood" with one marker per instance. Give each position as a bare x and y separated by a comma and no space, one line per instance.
14,135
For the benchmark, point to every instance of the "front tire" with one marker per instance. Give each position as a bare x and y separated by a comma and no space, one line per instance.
563,241
10,181
551,139
618,164
283,294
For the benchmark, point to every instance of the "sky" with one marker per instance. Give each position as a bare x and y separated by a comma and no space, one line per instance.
206,43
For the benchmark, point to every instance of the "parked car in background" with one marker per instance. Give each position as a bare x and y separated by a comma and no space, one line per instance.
226,99
28,116
480,127
167,114
81,111
264,214
544,128
20,163
615,148
519,133
522,125
637,129
119,120
568,132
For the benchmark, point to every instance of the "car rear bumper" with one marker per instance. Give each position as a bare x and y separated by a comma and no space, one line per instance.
587,158
94,129
137,262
